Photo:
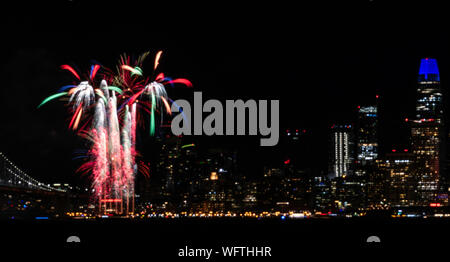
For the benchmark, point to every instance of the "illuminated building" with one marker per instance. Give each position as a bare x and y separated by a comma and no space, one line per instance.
427,132
249,191
322,195
429,95
297,188
345,188
176,177
400,184
271,189
213,176
216,181
341,163
367,146
347,195
368,177
168,164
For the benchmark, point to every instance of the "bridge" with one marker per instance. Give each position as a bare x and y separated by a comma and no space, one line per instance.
12,177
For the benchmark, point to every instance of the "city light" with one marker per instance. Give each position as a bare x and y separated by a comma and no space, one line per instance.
214,176
202,181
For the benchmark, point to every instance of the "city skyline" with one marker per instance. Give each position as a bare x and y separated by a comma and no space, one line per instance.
327,76
194,181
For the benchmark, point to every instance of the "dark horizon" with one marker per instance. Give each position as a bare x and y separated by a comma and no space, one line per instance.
320,76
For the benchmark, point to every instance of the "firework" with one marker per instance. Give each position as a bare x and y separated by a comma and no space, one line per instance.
112,157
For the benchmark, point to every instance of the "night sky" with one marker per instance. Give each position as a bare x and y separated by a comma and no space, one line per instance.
320,61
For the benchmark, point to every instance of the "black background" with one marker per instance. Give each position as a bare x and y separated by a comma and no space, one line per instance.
320,60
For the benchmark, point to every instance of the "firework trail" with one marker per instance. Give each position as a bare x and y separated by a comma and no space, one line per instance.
112,154
128,158
133,128
114,147
99,152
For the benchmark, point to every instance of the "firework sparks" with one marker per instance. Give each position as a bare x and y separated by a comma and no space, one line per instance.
112,159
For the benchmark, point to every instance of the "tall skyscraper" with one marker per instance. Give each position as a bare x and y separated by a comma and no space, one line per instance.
429,95
167,168
427,132
367,176
367,135
342,144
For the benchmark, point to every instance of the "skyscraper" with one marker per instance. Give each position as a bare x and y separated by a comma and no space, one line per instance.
367,175
342,143
367,135
427,132
167,169
429,95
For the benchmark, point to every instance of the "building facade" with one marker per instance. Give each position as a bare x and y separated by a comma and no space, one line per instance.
342,149
427,132
400,185
367,138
